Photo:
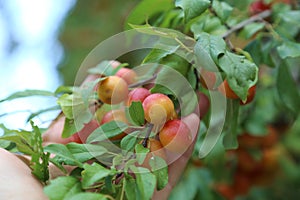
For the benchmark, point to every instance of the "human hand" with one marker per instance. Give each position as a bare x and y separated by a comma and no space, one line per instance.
53,135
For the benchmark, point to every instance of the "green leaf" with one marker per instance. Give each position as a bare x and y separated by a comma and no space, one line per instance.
130,188
136,112
107,131
145,181
159,168
85,152
289,50
192,8
287,89
27,93
128,142
6,144
190,186
222,9
192,78
109,186
147,9
66,103
105,68
65,89
33,115
62,154
291,17
214,46
231,125
141,153
251,29
76,109
21,138
176,62
62,187
87,196
93,174
69,128
39,160
241,73
203,57
254,48
157,54
209,24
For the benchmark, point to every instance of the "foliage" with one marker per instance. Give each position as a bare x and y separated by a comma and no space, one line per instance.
223,37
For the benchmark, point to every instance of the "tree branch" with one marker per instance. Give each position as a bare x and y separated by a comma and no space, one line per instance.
254,18
143,82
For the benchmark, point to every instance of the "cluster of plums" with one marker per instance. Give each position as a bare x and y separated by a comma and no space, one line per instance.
158,109
169,132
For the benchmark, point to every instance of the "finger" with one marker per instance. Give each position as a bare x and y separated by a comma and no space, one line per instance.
53,133
16,180
177,167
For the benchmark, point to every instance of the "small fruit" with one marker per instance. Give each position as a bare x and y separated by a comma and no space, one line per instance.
127,74
226,190
246,162
247,140
241,183
115,115
83,134
156,149
250,95
258,7
158,108
271,157
175,136
225,89
137,94
112,90
271,138
208,79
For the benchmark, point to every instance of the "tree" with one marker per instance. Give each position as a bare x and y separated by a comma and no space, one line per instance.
238,61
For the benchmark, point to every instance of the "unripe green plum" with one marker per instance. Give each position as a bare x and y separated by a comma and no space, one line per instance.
112,90
158,108
175,136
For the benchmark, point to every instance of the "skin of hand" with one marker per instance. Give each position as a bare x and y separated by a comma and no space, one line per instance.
16,180
16,172
177,167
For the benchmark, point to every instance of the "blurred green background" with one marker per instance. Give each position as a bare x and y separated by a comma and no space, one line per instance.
89,23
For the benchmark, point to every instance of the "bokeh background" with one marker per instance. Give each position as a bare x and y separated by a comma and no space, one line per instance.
43,43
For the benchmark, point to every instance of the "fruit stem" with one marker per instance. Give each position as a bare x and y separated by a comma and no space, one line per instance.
240,25
143,82
150,127
118,178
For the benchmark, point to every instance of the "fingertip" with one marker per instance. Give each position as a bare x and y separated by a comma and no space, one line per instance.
193,122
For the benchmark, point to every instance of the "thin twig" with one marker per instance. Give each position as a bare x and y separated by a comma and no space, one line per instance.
254,18
143,82
145,141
